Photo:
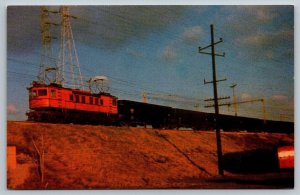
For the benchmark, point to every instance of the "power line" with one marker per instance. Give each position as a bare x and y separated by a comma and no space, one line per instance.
166,97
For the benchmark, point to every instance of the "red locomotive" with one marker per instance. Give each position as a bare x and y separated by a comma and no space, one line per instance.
58,104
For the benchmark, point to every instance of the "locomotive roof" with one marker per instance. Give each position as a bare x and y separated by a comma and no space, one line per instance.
74,91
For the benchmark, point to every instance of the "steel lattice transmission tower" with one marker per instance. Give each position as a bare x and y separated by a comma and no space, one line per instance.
69,74
47,67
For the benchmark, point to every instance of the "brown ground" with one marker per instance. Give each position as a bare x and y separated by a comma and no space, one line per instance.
97,157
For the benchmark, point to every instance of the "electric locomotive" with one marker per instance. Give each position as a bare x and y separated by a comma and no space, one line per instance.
54,103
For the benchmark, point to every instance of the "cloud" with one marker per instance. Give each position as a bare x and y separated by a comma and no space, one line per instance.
280,98
267,39
107,27
23,29
135,53
258,33
169,53
254,39
12,109
246,96
264,15
241,16
261,14
264,45
114,26
192,34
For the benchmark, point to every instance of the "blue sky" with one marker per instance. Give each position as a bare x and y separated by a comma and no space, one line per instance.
154,50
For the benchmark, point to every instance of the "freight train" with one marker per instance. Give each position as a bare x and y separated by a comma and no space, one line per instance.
54,103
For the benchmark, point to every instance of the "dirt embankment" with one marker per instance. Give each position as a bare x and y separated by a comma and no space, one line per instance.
97,157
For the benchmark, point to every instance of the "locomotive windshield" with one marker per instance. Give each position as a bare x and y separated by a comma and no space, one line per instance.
32,93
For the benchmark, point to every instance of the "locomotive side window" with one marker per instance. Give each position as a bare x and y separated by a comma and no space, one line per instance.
91,100
77,98
101,102
71,97
42,92
53,93
83,99
96,101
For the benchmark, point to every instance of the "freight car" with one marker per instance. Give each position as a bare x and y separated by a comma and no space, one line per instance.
54,103
193,119
137,113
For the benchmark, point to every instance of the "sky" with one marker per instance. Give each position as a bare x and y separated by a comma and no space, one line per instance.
154,50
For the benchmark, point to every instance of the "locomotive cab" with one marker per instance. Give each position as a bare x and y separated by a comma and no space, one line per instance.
38,97
41,96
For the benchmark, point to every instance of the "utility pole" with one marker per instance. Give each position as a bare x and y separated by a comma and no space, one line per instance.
234,98
215,89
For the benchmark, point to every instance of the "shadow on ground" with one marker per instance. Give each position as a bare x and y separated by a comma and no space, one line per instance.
251,161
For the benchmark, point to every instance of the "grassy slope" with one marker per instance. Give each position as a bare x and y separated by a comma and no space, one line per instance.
83,156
